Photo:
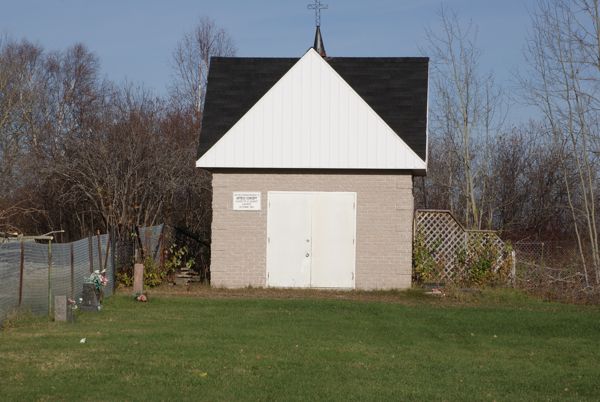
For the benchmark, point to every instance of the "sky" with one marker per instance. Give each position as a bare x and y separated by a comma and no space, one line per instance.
134,39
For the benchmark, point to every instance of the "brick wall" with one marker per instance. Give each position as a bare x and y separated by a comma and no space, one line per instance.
383,226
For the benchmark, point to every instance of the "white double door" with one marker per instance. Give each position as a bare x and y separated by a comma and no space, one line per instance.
311,239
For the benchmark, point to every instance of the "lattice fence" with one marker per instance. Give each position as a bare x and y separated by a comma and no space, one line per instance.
449,243
443,237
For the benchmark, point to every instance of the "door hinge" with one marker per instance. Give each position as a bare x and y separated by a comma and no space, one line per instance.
268,239
352,275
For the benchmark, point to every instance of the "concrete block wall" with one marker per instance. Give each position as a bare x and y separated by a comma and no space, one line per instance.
383,226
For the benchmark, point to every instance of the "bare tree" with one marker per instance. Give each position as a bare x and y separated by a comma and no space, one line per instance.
21,77
191,60
20,71
563,81
465,113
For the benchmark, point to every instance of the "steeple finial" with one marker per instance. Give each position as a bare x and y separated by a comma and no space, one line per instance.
318,46
317,6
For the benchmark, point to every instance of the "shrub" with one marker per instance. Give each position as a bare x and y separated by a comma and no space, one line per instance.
178,258
124,278
482,263
425,268
153,273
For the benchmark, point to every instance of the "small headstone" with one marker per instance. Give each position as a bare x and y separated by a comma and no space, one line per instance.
90,298
60,308
138,278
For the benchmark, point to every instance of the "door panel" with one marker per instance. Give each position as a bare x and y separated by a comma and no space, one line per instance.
288,229
333,231
310,239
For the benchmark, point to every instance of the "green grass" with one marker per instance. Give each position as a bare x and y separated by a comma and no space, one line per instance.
496,346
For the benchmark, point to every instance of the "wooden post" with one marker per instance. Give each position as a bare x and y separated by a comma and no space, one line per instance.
113,256
91,253
161,249
513,267
140,254
99,251
22,268
107,249
50,278
147,243
72,273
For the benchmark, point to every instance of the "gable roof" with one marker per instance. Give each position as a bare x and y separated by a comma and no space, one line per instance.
311,119
395,88
235,84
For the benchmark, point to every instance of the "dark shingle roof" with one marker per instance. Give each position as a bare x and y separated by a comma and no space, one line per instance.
396,88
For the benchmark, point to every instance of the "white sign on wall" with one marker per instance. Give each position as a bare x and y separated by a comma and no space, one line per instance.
247,201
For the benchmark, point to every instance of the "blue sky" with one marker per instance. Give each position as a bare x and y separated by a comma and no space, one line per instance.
134,39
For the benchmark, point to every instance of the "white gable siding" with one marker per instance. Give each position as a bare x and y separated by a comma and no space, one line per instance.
311,119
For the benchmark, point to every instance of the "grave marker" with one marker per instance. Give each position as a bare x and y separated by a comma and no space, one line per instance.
90,298
60,309
138,278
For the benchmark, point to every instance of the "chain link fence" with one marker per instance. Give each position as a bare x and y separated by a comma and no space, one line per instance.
32,273
150,243
549,255
555,270
9,278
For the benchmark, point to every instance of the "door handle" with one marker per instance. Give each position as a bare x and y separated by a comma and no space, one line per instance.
307,255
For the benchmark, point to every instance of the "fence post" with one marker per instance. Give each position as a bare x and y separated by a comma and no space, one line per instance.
147,250
72,272
113,256
161,249
513,268
91,253
105,266
99,250
21,269
50,278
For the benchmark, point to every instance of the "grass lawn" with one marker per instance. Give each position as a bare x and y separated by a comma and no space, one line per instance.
494,346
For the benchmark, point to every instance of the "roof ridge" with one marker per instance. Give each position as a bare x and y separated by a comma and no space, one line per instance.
380,58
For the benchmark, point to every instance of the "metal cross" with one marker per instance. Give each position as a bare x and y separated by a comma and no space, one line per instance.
318,7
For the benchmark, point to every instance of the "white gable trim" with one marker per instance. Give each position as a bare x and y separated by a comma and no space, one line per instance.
311,119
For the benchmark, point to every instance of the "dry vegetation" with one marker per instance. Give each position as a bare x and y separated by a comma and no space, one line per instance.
82,154
535,181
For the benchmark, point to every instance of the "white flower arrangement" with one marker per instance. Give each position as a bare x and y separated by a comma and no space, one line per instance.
98,278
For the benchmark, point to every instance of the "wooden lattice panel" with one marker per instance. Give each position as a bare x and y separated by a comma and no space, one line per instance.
488,238
444,238
446,241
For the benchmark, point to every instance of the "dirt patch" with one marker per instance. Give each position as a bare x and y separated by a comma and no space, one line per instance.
448,297
411,296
